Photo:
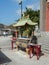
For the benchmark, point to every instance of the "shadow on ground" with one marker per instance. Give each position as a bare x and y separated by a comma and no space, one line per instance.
4,58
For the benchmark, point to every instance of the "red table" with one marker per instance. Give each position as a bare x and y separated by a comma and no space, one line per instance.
34,48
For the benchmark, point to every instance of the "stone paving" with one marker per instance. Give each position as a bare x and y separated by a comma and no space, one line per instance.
19,57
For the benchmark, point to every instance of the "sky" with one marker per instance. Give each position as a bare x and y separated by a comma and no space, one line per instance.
10,10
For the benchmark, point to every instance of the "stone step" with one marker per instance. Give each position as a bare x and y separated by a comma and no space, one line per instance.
45,44
45,51
45,48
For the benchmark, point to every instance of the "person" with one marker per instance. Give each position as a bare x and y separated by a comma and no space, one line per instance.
33,39
4,34
16,32
13,34
13,39
32,45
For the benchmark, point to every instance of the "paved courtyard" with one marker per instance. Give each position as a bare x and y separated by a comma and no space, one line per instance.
19,57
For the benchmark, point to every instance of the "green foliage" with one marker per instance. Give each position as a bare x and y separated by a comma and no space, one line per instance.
33,15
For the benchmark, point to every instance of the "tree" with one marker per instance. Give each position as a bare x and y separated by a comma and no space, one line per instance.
33,15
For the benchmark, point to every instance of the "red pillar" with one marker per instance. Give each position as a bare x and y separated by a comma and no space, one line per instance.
47,16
